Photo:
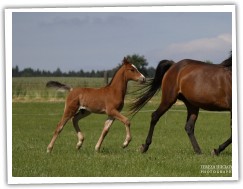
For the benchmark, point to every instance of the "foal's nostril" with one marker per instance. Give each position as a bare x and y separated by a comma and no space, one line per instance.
142,79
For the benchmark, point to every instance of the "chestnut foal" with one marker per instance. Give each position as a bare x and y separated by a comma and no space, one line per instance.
109,100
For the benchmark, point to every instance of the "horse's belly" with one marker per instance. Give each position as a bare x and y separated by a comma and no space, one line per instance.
207,94
213,103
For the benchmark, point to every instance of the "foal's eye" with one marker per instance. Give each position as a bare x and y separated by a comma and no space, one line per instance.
133,70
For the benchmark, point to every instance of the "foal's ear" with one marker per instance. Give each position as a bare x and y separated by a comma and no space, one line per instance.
125,60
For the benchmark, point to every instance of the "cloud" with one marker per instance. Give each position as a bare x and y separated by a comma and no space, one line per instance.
86,20
214,49
220,42
66,22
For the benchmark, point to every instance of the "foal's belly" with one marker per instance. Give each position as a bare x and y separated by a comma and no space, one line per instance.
95,110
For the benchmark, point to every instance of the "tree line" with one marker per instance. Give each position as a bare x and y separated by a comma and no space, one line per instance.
139,61
29,72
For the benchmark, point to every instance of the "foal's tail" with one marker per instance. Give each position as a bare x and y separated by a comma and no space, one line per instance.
58,86
151,87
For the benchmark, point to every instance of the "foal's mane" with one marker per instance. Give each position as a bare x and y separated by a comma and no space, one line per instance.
114,75
123,62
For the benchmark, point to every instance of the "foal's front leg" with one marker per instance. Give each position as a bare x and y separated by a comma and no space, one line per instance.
116,114
107,126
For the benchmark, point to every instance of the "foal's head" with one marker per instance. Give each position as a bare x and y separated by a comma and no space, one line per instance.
131,72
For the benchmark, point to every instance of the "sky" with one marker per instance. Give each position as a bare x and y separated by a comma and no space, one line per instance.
99,40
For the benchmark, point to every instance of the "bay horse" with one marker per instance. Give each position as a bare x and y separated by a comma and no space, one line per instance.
197,84
109,100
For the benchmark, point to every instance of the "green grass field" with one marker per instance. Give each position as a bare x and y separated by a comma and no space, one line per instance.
170,154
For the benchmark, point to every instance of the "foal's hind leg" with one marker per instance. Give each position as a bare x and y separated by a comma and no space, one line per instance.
69,112
59,128
81,114
225,144
192,114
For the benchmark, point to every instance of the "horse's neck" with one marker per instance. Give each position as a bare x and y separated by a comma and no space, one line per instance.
119,84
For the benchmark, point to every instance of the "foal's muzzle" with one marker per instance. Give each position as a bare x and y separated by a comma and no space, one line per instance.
142,79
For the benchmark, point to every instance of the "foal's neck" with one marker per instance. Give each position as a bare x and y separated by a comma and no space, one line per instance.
119,84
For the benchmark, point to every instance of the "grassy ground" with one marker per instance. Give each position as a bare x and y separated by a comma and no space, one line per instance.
36,111
170,155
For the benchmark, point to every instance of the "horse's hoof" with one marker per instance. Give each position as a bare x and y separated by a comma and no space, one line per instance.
143,148
214,152
198,152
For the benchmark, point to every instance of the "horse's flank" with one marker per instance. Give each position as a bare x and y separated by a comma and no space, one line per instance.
196,81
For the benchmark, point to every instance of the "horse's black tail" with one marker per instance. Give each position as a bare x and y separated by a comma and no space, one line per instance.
58,86
151,87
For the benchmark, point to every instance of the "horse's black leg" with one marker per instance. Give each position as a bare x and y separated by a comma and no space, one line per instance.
222,146
154,119
192,114
225,144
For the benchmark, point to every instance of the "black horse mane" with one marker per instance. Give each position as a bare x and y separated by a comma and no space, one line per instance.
228,62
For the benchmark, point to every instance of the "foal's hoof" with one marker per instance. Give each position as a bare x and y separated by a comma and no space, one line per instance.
215,152
48,150
124,145
97,149
79,145
144,148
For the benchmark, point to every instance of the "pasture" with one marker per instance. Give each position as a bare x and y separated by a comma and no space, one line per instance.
37,110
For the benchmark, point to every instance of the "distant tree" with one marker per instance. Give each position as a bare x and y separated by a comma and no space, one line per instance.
150,72
27,72
37,73
46,73
15,71
209,62
92,74
58,72
140,62
80,73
